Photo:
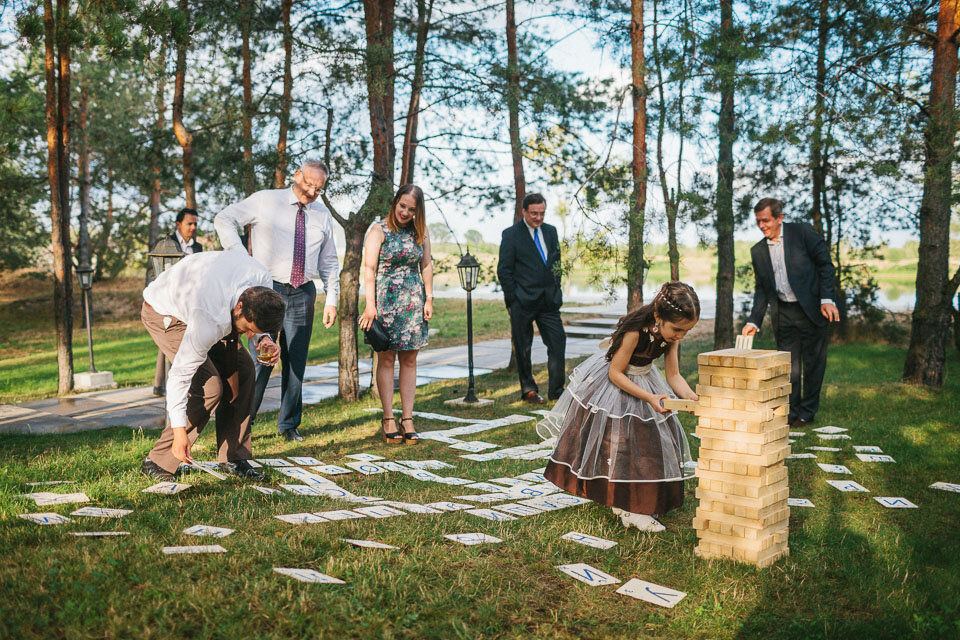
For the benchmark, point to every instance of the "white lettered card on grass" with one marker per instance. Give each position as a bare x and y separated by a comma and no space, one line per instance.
61,498
861,448
801,456
833,436
370,544
449,506
366,468
364,457
45,518
305,461
518,509
274,462
830,429
834,468
308,575
946,486
267,491
588,540
875,457
652,593
799,502
331,470
340,514
490,514
202,548
834,449
896,503
206,530
167,488
412,507
472,538
587,574
848,486
380,512
100,512
301,518
100,534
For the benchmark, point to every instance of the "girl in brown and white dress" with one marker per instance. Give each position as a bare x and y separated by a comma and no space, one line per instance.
616,444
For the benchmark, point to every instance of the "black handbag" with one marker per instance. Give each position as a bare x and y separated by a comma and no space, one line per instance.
376,336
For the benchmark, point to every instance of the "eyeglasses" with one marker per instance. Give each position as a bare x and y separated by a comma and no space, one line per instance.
312,187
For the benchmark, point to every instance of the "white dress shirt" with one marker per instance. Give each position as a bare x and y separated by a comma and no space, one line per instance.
201,290
534,232
186,247
273,216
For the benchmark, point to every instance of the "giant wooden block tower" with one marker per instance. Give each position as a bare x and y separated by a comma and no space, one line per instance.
742,411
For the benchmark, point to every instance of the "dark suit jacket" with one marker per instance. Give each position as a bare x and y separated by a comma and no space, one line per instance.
523,276
809,272
196,246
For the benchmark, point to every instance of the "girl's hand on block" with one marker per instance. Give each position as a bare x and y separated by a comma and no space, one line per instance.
657,403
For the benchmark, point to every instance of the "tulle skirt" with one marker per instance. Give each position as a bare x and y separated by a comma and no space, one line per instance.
612,447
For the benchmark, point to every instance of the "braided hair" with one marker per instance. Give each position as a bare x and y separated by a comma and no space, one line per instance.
675,302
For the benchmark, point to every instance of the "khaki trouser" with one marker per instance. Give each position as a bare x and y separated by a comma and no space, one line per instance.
223,383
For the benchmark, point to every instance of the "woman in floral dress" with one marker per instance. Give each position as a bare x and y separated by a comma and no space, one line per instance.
398,281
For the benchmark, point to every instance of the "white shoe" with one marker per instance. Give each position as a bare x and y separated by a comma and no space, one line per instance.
640,521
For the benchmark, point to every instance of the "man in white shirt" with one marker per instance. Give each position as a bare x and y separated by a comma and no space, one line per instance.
794,274
196,311
292,235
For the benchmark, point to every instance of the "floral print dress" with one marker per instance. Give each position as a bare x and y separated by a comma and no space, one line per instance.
400,292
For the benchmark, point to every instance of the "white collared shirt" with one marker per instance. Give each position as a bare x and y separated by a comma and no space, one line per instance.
777,257
534,232
186,247
201,290
273,216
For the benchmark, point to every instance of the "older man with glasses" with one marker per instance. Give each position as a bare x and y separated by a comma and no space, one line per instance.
292,235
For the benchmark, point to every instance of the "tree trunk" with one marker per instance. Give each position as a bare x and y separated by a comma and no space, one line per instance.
184,137
638,200
57,112
156,190
249,180
106,230
816,139
379,23
513,109
670,202
723,329
280,174
931,316
408,161
83,167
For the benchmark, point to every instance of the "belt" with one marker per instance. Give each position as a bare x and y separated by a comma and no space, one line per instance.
638,370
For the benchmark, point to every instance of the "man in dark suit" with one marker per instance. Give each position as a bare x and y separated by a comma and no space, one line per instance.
185,237
794,274
529,273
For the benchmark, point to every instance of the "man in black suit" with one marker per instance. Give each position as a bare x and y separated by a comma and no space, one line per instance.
529,273
794,273
185,235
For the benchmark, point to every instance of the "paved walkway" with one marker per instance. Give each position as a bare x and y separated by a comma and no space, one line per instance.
138,407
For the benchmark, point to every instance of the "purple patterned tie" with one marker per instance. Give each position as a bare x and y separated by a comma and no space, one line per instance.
299,248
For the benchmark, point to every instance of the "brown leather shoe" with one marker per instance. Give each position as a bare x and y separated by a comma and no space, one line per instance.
533,397
800,423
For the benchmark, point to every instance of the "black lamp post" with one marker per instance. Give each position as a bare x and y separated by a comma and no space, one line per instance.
85,276
469,270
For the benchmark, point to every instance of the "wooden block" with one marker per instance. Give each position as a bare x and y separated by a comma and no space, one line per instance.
770,435
743,342
734,445
779,515
766,477
741,404
743,426
748,512
746,544
778,494
676,404
762,559
730,382
753,359
718,526
760,395
728,467
752,416
729,487
744,373
763,460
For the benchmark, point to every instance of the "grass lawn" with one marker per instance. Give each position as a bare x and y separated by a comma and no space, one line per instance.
856,570
28,356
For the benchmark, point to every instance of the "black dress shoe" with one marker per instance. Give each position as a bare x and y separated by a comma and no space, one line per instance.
533,397
151,469
159,392
555,396
292,435
800,423
241,469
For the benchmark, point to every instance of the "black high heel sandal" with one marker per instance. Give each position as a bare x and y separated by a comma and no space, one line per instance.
412,437
394,437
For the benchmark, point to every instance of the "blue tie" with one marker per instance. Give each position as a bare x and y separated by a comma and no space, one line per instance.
536,241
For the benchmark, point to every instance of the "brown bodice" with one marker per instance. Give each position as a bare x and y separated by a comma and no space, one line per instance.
650,347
